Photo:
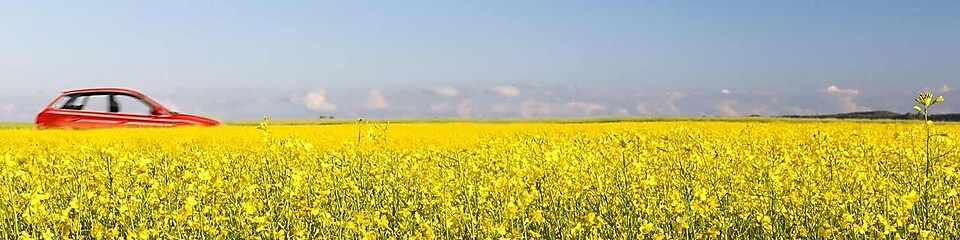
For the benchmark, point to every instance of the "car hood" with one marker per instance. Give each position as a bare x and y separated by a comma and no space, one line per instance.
200,120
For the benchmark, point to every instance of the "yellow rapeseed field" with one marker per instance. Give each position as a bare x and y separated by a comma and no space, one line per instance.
670,180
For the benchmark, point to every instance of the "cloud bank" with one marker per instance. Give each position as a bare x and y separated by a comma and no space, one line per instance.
506,101
533,108
465,108
665,104
444,91
944,89
844,99
504,91
315,100
8,108
375,100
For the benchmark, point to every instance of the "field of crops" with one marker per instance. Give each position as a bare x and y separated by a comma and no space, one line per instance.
672,179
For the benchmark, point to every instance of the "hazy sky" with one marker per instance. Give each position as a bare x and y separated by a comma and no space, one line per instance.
402,59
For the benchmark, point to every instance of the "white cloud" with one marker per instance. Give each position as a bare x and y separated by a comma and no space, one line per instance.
761,109
944,89
725,107
725,91
440,107
736,103
375,100
671,104
445,91
8,112
315,100
8,108
642,109
502,107
836,90
938,90
801,111
465,108
623,112
744,103
582,107
533,108
665,104
844,98
504,91
530,108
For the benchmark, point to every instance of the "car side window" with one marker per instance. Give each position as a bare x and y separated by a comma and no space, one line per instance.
131,105
97,103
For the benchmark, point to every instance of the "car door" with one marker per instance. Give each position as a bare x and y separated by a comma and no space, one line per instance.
133,111
89,110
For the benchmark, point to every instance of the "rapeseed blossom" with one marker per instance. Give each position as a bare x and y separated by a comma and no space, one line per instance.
658,180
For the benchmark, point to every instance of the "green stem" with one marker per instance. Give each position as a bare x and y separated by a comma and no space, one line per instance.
926,180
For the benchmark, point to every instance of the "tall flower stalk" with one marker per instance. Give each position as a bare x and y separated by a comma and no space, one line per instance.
924,102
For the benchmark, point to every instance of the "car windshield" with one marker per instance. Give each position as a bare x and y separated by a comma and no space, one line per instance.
60,102
74,102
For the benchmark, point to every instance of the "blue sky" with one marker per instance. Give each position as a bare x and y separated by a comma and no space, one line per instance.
409,59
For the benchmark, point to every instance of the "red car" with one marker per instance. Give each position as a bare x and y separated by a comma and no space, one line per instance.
112,107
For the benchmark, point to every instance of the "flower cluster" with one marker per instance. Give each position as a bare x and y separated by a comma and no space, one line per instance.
659,180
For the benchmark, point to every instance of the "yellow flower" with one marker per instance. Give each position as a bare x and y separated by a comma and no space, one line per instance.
538,216
478,180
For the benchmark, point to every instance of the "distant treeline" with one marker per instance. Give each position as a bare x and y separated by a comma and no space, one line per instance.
882,115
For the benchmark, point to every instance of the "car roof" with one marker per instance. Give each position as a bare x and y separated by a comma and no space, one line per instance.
103,89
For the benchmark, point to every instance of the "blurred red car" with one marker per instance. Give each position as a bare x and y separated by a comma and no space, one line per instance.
112,107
